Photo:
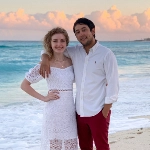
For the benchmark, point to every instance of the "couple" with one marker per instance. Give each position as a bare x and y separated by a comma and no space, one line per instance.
96,76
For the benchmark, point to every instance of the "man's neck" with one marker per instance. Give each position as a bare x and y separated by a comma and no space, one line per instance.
87,48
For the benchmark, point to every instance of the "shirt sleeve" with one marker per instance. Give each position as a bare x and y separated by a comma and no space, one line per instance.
33,75
111,70
70,52
43,52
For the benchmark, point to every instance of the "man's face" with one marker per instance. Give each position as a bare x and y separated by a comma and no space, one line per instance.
84,35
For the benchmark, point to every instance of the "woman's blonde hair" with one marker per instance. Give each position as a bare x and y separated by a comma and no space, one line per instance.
48,38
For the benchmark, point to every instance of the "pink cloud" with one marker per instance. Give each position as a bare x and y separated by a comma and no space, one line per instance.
20,20
106,21
144,20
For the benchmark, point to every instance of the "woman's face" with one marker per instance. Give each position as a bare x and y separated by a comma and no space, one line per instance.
58,43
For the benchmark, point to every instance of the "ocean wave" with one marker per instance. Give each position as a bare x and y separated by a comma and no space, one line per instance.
4,46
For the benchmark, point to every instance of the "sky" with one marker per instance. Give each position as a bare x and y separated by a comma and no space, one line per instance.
115,20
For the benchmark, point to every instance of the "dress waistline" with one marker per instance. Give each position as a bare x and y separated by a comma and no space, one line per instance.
61,89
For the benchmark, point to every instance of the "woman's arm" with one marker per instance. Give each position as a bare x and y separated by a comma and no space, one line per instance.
33,76
26,86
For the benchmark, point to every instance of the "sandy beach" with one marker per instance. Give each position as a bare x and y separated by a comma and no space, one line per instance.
136,139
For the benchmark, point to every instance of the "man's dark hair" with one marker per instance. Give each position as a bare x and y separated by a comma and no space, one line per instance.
85,21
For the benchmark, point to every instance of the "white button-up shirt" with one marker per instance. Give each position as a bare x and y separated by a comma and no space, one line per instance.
93,71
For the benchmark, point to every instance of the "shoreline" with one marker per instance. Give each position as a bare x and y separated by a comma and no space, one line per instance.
134,139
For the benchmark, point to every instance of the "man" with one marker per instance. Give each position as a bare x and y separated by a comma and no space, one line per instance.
96,77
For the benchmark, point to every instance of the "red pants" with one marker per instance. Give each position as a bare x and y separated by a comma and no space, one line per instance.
93,128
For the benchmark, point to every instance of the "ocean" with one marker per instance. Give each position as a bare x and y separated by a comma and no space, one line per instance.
21,115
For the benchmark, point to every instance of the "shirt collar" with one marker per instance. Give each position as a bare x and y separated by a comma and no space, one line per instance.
93,49
95,46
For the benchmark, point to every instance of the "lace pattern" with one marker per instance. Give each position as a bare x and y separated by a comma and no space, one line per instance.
71,144
59,130
57,144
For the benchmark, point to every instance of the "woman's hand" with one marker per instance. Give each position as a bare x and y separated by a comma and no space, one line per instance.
52,95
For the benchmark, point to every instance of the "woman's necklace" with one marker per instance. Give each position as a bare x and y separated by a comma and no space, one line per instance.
60,62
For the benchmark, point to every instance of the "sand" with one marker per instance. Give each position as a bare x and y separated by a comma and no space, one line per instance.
136,139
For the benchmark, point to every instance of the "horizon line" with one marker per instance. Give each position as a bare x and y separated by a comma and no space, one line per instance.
69,41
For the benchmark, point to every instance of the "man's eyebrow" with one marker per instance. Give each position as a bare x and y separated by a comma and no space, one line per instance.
81,29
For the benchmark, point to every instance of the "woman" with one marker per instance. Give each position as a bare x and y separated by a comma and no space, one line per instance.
59,123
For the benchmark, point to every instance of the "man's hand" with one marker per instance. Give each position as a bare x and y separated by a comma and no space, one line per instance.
106,109
45,66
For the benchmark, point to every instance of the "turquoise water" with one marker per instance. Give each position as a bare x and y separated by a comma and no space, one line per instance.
21,115
17,57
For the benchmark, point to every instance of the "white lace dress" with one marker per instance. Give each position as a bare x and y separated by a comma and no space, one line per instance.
59,119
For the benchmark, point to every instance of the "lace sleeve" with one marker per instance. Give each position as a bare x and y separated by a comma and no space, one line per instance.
33,75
